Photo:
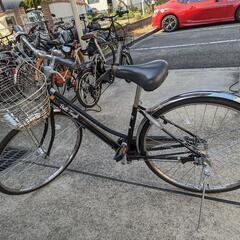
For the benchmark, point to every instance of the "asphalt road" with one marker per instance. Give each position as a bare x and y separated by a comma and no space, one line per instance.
199,47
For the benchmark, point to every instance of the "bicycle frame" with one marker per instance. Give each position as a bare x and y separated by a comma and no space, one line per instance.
104,133
97,128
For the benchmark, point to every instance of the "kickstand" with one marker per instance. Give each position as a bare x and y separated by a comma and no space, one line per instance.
206,173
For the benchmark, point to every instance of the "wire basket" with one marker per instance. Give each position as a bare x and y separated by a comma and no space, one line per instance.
24,99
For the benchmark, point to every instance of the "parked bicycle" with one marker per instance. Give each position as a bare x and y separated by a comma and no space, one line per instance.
189,140
85,82
113,31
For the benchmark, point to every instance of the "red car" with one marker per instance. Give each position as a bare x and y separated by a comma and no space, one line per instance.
181,13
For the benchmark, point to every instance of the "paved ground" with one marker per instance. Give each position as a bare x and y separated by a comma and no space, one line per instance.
100,199
212,46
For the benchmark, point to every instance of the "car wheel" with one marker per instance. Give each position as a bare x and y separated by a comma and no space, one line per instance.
169,23
237,16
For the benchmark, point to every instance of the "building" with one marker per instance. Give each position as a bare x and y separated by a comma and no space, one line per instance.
61,9
9,4
103,5
9,18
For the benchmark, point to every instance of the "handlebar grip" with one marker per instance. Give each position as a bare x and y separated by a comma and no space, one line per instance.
17,28
120,13
124,12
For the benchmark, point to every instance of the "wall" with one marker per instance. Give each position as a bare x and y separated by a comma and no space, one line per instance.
61,8
64,9
11,3
100,6
17,13
4,29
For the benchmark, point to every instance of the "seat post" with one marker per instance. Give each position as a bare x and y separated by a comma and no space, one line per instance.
133,116
137,97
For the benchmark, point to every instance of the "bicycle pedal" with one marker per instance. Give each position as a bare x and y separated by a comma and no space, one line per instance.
121,152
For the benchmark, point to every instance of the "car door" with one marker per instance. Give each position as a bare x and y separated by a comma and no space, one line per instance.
207,11
222,9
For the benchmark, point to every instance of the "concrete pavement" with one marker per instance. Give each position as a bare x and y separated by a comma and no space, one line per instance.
100,199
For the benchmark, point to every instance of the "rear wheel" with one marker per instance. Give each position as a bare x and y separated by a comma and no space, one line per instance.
170,23
89,90
237,15
216,123
24,166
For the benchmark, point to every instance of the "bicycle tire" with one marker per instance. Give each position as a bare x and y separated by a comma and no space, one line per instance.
209,110
88,89
24,166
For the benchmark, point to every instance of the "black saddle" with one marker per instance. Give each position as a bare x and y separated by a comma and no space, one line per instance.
148,75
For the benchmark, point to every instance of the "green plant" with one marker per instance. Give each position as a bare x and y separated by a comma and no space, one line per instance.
138,17
30,4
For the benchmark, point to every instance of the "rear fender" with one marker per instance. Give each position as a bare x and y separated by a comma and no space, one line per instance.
184,96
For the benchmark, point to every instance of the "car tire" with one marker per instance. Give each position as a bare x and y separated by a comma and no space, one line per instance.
169,23
237,15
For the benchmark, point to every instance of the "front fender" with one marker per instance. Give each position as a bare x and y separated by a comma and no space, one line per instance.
213,94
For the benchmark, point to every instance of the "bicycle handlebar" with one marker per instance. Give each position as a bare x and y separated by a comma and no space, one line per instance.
118,14
39,53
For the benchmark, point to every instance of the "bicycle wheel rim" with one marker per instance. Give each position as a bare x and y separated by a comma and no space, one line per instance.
89,90
24,167
220,180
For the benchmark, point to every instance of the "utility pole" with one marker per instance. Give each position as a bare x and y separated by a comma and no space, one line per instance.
2,6
142,5
78,23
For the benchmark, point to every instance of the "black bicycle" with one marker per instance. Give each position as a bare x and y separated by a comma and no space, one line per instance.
90,83
190,140
112,32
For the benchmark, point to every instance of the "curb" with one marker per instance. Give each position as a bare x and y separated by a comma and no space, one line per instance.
142,37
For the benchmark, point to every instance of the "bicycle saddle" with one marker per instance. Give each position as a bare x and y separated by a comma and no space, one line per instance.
148,75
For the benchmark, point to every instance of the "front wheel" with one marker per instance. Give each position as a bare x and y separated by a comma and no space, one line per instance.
169,23
24,164
208,125
89,89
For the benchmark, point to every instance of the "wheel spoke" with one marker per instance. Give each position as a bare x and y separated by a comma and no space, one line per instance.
216,128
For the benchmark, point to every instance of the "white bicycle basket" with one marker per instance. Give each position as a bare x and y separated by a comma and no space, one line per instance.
24,99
